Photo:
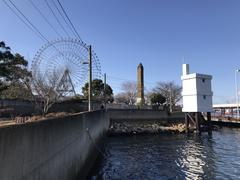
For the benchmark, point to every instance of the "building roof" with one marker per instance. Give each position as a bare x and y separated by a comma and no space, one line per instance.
224,105
196,75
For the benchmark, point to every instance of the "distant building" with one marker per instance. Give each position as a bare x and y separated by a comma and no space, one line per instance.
140,85
196,91
225,109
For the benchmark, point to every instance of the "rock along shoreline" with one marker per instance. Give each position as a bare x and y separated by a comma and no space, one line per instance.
126,129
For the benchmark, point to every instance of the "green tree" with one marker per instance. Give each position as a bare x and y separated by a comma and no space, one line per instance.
157,99
14,76
98,91
16,91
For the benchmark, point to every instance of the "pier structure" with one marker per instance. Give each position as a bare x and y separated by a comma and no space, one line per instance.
140,85
225,110
197,99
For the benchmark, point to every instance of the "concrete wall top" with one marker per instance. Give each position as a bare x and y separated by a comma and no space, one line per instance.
195,75
57,148
136,114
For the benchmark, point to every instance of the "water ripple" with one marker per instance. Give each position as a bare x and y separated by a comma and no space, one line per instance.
172,157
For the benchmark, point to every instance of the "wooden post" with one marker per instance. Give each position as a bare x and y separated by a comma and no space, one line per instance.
209,123
186,123
198,123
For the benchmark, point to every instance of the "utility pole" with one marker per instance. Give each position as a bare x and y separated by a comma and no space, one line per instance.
104,89
237,99
171,108
90,79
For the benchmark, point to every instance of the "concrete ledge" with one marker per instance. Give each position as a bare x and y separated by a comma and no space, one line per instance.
131,114
51,149
127,121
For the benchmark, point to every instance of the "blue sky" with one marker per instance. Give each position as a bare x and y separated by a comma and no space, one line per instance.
158,33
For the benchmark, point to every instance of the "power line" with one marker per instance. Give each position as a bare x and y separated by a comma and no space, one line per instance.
76,33
32,26
44,17
19,17
122,79
58,21
69,20
25,20
62,15
72,28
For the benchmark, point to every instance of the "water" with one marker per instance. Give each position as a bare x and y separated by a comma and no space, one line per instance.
171,157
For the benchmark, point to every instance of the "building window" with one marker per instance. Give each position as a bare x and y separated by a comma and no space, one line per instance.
204,96
203,80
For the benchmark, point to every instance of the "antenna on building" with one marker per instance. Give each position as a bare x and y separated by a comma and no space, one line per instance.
183,60
185,69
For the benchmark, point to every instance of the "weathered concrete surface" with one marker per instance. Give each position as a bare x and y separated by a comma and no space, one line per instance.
65,148
9,108
51,149
127,121
221,121
139,114
176,117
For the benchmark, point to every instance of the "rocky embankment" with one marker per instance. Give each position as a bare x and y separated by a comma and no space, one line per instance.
124,128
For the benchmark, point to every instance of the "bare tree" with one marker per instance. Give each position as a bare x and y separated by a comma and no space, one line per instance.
121,98
129,93
47,88
171,91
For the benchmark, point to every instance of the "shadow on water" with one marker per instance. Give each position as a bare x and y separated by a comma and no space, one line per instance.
171,157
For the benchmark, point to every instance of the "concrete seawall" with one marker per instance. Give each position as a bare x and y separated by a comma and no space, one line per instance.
131,114
66,147
62,148
133,121
27,108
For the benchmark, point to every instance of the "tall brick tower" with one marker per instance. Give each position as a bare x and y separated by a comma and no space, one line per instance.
140,85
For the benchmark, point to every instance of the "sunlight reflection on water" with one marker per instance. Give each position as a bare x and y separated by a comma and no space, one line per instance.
171,157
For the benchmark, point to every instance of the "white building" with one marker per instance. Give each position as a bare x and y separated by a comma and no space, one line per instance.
196,91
